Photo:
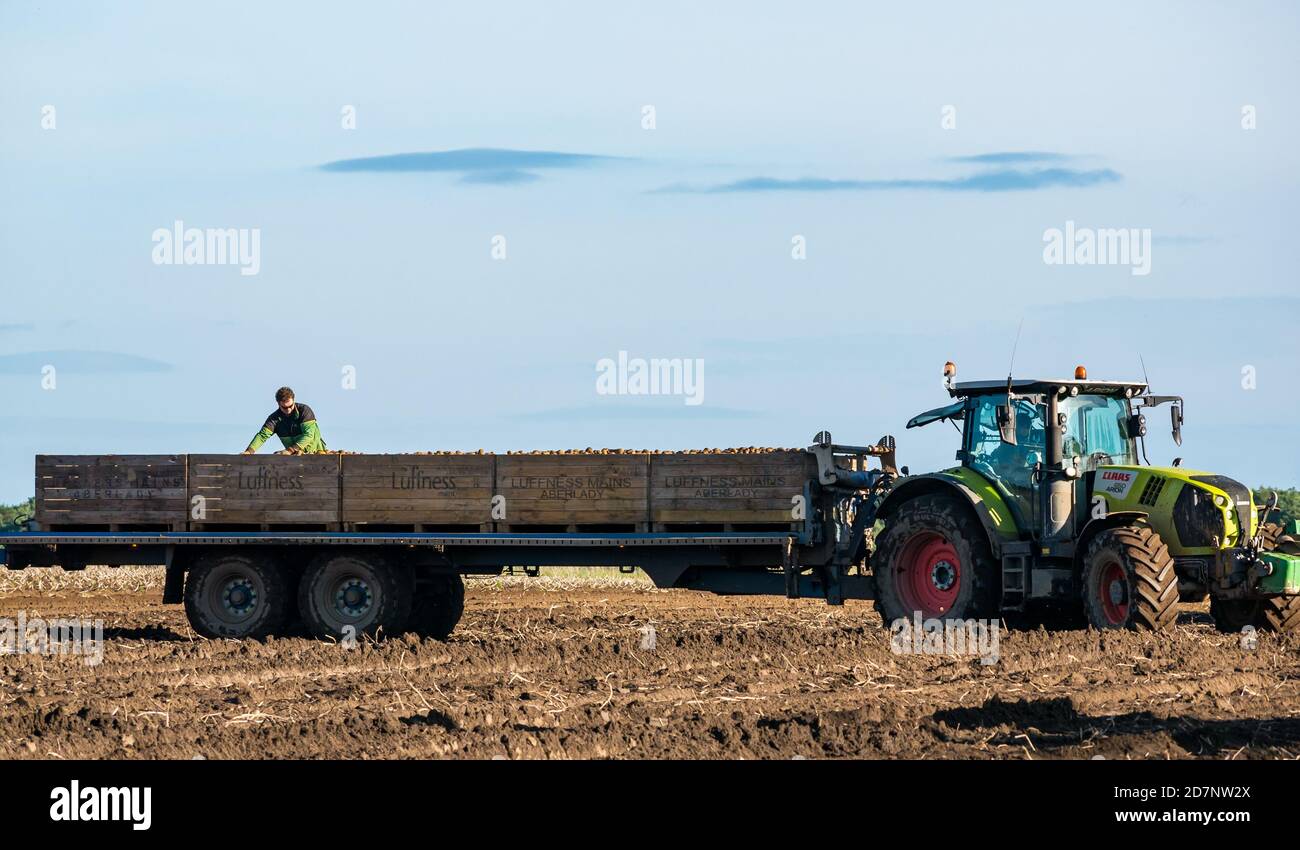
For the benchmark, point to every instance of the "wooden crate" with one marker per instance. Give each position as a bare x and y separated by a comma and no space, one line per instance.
80,490
569,490
729,489
265,491
579,492
417,490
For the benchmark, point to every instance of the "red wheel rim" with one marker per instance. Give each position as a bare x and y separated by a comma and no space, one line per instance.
1112,590
928,575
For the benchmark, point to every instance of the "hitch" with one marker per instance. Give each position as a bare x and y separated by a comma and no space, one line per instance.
1258,540
856,476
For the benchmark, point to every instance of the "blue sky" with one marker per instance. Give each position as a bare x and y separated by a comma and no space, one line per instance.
771,121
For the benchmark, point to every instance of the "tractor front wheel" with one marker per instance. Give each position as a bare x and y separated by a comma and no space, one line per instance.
1129,580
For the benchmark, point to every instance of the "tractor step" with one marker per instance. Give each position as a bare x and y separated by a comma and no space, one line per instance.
1017,562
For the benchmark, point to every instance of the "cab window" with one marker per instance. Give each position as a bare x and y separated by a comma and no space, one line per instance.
1008,467
1096,431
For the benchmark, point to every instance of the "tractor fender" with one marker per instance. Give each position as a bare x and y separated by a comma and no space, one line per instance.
1093,527
939,482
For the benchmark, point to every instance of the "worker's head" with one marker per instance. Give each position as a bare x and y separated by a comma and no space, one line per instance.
284,398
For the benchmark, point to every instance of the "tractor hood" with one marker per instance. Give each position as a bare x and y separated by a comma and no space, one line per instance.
1197,510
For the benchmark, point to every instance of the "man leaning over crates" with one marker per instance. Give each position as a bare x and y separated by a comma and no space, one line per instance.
294,424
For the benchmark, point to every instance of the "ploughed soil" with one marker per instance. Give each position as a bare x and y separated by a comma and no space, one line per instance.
545,668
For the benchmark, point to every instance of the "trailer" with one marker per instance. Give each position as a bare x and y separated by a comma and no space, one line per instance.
350,544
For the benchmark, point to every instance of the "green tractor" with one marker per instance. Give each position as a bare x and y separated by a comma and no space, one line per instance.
1051,509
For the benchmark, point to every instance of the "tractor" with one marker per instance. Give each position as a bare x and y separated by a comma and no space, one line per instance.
1053,509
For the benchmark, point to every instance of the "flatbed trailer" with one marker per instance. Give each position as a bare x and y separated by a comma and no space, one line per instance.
342,577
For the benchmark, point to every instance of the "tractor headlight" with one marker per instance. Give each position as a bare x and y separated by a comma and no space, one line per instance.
1220,501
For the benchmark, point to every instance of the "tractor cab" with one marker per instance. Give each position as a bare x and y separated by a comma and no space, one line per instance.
1034,444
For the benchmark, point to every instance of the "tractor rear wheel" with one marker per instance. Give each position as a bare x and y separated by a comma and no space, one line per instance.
1129,580
438,607
233,595
933,559
1275,614
348,595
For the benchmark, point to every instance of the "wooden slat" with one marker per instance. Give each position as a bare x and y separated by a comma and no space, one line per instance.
727,487
270,489
568,489
94,489
430,489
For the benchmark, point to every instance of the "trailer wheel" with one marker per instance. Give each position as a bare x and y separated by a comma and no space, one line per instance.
346,595
1129,581
438,607
933,559
233,595
1275,614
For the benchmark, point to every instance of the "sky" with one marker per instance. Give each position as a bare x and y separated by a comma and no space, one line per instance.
462,209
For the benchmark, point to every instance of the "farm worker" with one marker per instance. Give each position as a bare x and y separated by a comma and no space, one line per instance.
294,424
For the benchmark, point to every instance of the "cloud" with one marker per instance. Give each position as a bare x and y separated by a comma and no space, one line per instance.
1006,157
471,161
1002,180
32,362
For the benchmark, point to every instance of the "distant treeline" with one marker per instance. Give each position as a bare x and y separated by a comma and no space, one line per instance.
10,514
1288,504
1288,507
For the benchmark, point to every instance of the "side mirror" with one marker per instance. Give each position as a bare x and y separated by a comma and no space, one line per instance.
1176,417
1006,424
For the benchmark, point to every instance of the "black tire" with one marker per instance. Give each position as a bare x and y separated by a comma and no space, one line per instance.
346,595
1275,614
235,595
1233,615
1129,581
915,569
439,604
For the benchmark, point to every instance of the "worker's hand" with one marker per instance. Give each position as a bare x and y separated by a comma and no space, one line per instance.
248,451
293,450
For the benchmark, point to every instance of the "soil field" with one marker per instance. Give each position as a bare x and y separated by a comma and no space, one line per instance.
547,668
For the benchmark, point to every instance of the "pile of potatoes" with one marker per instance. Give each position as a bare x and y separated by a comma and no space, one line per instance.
743,450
